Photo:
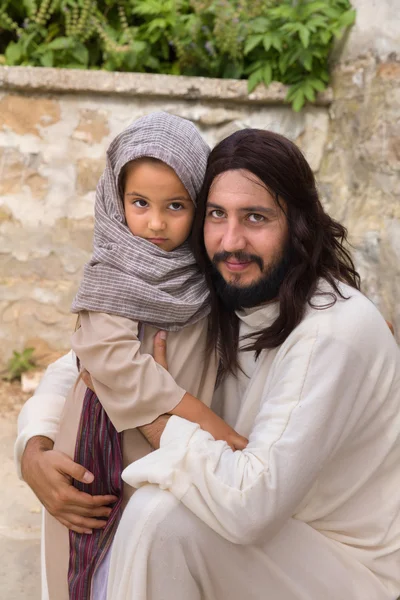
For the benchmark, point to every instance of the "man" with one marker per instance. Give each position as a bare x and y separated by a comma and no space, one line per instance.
311,375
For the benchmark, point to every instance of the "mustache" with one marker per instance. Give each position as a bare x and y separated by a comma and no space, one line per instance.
239,255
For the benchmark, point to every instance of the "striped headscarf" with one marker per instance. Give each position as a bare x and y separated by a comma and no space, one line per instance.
127,275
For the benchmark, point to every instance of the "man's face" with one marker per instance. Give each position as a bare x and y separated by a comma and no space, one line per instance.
245,231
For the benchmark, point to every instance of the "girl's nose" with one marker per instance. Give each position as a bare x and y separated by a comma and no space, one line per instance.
156,222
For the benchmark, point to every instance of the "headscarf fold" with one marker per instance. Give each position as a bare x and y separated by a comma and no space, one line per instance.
127,275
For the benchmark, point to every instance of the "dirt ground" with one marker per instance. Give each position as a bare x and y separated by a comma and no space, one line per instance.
20,512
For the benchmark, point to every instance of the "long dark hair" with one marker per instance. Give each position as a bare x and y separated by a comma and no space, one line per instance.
317,242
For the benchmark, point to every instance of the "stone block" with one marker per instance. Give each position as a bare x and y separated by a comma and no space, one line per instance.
92,126
26,115
89,171
16,172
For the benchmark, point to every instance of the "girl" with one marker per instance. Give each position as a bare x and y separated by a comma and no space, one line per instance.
142,277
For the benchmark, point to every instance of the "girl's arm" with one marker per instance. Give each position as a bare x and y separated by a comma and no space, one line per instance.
132,387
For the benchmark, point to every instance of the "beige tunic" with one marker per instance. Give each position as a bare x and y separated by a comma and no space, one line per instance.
134,390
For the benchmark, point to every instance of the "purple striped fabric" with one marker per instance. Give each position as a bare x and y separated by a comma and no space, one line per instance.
99,449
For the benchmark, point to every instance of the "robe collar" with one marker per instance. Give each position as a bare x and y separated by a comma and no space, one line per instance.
259,317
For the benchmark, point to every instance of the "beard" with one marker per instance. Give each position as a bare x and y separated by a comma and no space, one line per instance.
265,289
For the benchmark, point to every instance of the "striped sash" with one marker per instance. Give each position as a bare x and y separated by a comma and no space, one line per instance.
99,449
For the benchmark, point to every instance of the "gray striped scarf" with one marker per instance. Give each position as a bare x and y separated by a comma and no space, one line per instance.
127,275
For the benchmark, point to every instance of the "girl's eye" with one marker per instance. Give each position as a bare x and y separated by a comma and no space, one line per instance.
217,214
140,203
255,218
176,206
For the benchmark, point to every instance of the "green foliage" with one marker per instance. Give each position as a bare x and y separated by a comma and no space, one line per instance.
260,40
21,362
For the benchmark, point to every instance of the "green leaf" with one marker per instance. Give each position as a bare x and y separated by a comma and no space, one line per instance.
307,60
309,93
156,24
304,36
253,67
283,63
252,42
267,41
347,18
232,71
317,84
298,101
47,59
29,6
314,7
13,53
259,25
277,43
254,79
61,43
326,36
81,54
267,74
138,46
27,40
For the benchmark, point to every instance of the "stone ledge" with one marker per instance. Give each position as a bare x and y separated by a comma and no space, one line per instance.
75,81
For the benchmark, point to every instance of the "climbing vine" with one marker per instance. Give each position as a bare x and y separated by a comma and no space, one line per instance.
260,40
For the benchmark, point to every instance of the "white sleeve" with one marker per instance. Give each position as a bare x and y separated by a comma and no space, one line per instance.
247,494
40,415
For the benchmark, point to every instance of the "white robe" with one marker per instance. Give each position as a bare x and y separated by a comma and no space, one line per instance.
310,510
318,484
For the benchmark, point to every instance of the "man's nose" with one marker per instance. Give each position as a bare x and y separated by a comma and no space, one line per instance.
233,238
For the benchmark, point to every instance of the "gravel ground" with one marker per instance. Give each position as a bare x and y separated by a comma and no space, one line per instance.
20,513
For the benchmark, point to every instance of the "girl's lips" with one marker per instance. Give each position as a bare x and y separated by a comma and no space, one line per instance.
237,266
157,240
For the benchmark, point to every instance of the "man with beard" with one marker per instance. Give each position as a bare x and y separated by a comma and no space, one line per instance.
310,374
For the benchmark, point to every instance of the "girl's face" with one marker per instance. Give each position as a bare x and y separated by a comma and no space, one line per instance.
157,206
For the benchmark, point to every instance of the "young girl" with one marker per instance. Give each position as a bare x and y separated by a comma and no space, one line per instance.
142,277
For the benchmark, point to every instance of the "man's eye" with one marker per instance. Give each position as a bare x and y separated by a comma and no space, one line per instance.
176,206
217,214
140,203
256,218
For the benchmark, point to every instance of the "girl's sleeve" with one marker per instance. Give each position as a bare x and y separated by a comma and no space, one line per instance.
41,414
133,389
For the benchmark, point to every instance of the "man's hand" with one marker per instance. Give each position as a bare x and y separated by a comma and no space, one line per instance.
49,474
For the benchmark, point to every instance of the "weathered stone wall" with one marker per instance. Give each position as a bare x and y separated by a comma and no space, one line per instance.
359,178
52,152
56,125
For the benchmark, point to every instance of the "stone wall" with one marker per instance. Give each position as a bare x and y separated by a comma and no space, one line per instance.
55,126
359,177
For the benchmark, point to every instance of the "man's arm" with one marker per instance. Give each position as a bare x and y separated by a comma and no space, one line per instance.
40,415
302,417
49,473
